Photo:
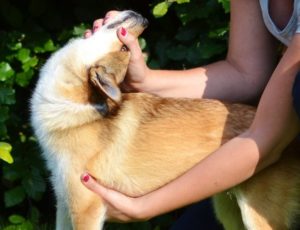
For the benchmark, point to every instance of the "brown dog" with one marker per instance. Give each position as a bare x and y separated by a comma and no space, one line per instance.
137,142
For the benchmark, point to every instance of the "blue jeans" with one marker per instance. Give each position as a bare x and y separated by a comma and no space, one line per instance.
199,216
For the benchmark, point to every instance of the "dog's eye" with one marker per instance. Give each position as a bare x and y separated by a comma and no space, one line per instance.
124,48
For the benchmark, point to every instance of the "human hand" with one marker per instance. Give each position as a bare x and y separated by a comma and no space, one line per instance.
120,208
137,71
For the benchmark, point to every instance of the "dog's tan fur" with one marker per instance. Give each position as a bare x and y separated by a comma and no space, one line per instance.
137,142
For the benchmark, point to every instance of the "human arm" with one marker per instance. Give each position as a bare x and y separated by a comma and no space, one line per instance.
251,52
240,77
274,126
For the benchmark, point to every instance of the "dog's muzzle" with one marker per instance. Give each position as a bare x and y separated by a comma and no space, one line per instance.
130,19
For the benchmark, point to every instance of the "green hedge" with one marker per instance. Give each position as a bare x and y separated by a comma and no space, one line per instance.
182,34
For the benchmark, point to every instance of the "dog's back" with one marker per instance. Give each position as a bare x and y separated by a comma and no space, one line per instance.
141,142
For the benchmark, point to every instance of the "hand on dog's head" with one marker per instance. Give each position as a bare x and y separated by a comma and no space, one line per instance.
109,72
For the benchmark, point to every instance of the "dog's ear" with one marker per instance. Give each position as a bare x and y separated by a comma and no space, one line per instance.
108,73
106,83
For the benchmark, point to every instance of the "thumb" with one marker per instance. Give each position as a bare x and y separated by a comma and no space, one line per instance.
110,196
131,42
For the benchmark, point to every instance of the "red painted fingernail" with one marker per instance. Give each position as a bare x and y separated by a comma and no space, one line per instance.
86,178
123,32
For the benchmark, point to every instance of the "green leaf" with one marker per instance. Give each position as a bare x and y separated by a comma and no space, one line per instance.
14,196
15,46
182,1
46,45
218,33
3,129
225,4
142,43
49,46
7,96
79,30
5,71
160,9
34,184
23,55
23,78
16,219
5,150
177,53
14,40
30,63
4,113
210,49
34,214
11,174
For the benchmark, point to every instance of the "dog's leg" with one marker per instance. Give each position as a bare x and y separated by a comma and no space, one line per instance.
63,221
260,212
270,199
91,216
227,211
252,218
87,210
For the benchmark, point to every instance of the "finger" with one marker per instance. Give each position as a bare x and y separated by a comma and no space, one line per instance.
116,200
93,185
131,42
107,194
97,25
87,33
113,214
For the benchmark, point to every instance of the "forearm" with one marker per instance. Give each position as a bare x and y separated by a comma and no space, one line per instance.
274,127
218,172
235,162
220,80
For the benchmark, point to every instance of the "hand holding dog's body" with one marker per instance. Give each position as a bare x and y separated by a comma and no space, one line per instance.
137,71
112,143
233,79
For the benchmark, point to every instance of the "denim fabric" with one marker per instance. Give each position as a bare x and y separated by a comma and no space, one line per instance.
199,216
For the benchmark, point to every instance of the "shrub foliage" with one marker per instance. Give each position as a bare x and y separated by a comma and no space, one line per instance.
182,34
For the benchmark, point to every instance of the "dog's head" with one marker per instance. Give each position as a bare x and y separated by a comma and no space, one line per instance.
109,71
87,70
81,79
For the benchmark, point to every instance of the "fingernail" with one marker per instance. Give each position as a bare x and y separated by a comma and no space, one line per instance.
123,32
86,178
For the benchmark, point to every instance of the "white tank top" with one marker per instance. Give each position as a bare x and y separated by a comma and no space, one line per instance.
293,26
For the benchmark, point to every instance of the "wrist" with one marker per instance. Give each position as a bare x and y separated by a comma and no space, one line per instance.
144,85
142,210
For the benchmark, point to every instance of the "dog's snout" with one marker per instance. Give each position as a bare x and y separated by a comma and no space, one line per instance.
129,19
139,18
145,22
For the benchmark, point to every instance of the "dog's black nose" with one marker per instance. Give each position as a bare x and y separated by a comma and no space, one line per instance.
145,22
